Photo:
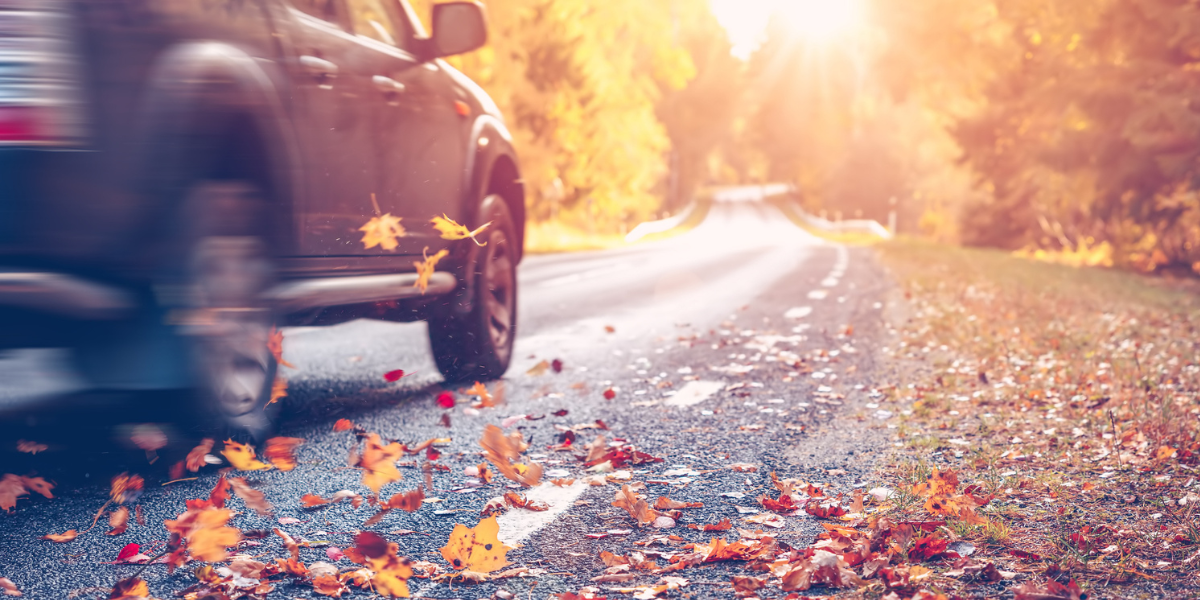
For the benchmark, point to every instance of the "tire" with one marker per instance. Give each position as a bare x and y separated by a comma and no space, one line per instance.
226,267
472,338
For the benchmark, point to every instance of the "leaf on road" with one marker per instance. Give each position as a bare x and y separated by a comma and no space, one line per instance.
206,531
504,452
8,587
119,521
724,525
281,451
242,457
1051,590
665,503
520,501
343,425
279,389
384,231
254,499
29,447
445,400
61,537
476,549
427,267
408,501
392,376
450,230
126,488
128,589
635,505
378,462
195,458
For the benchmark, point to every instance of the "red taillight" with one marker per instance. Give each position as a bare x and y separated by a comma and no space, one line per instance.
19,124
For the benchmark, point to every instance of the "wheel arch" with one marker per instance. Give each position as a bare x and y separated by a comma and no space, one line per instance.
493,169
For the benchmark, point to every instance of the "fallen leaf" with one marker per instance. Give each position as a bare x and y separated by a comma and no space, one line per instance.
9,588
724,525
329,585
384,231
279,389
254,499
126,488
635,506
206,532
129,589
289,543
275,345
396,375
664,503
29,447
119,521
1051,590
61,537
281,451
519,501
445,400
503,452
378,462
453,231
241,456
408,501
343,425
195,458
129,551
609,394
476,549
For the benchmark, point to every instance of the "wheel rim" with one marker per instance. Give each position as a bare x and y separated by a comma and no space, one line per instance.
499,293
229,323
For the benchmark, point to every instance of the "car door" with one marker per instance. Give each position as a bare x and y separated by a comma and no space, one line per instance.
421,126
334,127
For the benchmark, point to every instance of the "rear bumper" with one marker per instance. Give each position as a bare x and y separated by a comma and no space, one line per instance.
63,295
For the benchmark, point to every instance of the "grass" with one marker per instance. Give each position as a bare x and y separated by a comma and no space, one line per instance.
546,237
1079,390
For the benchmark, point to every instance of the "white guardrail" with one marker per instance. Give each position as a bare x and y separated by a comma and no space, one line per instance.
759,193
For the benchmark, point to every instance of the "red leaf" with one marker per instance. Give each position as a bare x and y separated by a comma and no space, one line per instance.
609,394
394,375
560,413
128,551
445,400
557,365
927,548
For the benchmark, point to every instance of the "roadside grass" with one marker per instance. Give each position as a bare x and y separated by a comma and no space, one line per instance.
1068,398
547,237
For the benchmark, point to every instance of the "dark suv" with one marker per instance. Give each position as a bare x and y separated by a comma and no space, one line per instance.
179,177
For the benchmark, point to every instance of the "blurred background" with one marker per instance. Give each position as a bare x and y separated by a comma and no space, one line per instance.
1063,129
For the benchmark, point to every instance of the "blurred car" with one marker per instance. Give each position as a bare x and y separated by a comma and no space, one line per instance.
179,177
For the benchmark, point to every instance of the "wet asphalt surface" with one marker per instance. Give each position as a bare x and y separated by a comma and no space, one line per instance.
644,321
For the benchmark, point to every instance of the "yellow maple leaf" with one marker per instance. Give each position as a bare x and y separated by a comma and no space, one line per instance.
477,549
278,391
391,574
208,537
241,456
425,269
453,231
379,462
384,231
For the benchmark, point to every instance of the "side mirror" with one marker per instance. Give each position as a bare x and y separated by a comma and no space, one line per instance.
458,27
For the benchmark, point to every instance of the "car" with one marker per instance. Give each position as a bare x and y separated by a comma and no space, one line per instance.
179,178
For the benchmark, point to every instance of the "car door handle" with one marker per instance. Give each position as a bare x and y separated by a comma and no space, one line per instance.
388,85
319,67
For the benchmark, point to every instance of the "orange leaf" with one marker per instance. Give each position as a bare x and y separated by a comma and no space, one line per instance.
426,268
254,499
126,488
206,532
408,501
241,456
379,462
195,458
665,503
289,543
384,231
278,391
281,452
39,485
453,231
119,521
503,450
311,500
275,345
343,425
476,549
130,588
328,585
8,587
635,506
30,447
61,537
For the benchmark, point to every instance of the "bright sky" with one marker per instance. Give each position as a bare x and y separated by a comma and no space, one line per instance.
814,20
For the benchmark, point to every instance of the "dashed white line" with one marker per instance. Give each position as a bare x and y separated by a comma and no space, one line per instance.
694,393
518,524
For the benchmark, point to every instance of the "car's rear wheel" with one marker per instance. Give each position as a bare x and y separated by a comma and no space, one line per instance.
472,337
227,268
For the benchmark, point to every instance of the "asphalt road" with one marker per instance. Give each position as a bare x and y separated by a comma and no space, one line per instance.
697,335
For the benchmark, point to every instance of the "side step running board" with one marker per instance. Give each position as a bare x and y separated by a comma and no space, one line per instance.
295,296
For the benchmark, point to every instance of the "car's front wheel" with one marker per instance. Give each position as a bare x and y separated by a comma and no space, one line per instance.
472,337
227,320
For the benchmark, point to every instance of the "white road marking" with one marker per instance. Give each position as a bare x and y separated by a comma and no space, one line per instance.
518,524
798,312
817,295
694,393
830,281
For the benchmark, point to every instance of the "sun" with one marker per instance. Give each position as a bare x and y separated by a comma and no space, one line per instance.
820,21
810,21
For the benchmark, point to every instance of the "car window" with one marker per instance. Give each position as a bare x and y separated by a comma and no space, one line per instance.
379,20
327,10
